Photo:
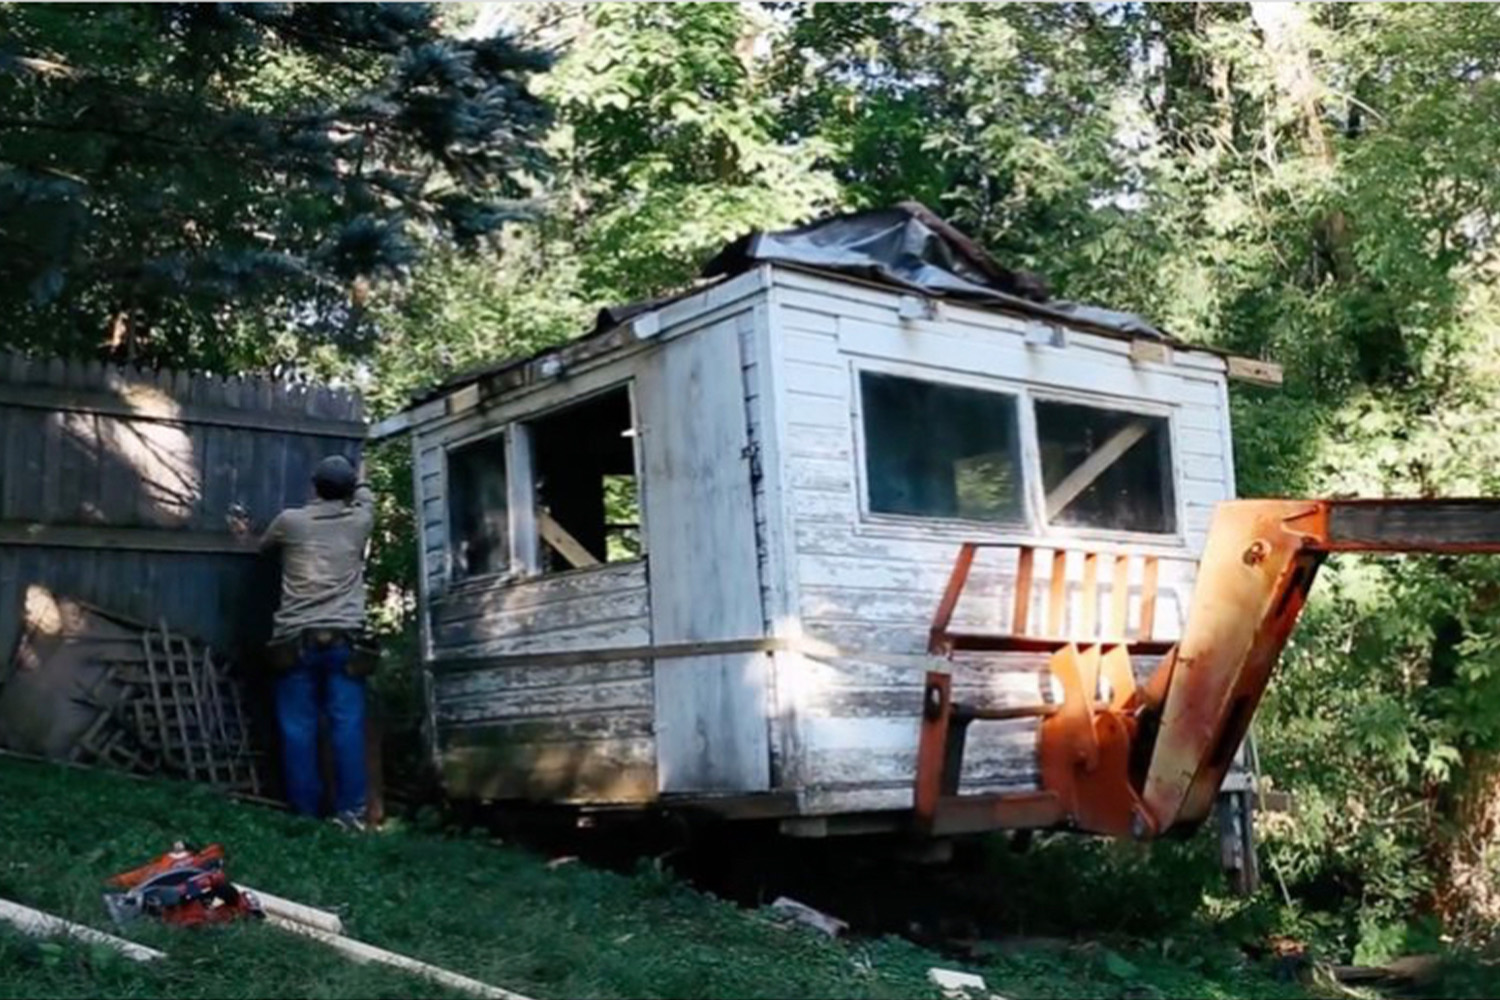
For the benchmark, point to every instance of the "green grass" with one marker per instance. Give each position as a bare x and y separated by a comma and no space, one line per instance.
489,911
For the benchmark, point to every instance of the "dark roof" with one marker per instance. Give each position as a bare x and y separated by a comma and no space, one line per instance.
909,246
905,246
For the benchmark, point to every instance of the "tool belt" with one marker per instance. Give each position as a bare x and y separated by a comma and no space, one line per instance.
364,649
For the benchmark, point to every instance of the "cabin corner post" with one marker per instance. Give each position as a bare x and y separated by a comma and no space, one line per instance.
779,590
430,738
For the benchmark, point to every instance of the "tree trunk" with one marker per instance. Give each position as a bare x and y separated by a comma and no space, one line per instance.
1468,892
1286,30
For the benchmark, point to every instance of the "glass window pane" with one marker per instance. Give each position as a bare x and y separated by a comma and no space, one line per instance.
1106,468
478,518
935,450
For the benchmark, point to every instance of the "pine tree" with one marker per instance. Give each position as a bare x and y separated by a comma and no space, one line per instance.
180,181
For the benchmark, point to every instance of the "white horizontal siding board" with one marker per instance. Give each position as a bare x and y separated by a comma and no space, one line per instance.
799,321
1205,490
815,441
936,347
1195,441
1199,416
816,348
817,411
827,291
626,633
576,615
479,597
809,379
482,683
550,702
810,505
1203,468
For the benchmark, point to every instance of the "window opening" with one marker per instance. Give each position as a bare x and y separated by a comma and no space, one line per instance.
1106,468
938,450
478,515
588,503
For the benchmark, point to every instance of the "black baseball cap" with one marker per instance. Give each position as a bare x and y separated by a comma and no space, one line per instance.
336,474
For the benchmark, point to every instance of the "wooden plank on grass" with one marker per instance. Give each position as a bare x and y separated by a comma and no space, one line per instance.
360,952
44,925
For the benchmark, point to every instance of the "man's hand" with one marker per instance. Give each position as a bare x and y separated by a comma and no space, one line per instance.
238,520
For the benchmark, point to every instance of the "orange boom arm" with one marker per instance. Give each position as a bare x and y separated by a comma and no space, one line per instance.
1152,759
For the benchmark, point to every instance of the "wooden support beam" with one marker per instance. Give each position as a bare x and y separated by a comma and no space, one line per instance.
1091,468
1120,597
1023,590
566,545
35,923
1088,621
360,952
1148,599
1250,370
666,651
1057,607
124,538
138,401
308,916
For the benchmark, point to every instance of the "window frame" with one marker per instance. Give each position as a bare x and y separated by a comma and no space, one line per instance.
450,567
1034,526
522,533
999,387
1113,404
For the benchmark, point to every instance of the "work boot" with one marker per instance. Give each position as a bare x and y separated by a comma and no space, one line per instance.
350,822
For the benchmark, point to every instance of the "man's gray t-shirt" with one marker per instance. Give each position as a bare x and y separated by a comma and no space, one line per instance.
322,550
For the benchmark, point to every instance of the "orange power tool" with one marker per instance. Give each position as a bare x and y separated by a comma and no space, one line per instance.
184,887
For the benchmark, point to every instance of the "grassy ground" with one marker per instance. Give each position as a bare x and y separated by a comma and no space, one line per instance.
490,911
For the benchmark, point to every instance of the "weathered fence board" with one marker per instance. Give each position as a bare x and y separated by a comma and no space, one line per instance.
117,486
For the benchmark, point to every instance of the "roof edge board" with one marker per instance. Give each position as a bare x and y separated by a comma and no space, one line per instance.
1240,367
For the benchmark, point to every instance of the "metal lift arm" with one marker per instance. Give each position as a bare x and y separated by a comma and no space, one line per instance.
1259,563
1151,760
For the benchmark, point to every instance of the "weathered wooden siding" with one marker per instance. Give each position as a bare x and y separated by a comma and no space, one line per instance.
590,732
860,717
871,585
116,485
541,731
553,733
601,608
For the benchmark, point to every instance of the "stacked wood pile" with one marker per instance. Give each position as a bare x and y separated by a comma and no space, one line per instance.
117,693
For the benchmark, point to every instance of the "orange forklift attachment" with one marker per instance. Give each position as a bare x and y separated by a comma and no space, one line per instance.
1150,760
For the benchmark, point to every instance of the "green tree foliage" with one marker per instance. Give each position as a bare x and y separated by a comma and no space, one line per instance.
170,172
670,144
1003,117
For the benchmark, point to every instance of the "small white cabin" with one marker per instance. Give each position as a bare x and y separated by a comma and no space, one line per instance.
695,556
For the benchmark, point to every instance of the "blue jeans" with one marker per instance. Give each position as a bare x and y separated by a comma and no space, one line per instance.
320,684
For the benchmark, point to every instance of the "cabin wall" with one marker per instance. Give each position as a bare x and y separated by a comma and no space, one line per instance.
514,728
580,723
868,585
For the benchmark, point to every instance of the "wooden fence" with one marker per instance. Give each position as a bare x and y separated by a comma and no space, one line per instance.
117,487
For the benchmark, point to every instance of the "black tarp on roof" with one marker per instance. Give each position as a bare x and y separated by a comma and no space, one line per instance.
905,246
909,246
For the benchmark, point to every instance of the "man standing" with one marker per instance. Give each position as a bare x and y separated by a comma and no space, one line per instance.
321,614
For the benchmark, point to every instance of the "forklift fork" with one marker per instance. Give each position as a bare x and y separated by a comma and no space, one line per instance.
1149,760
